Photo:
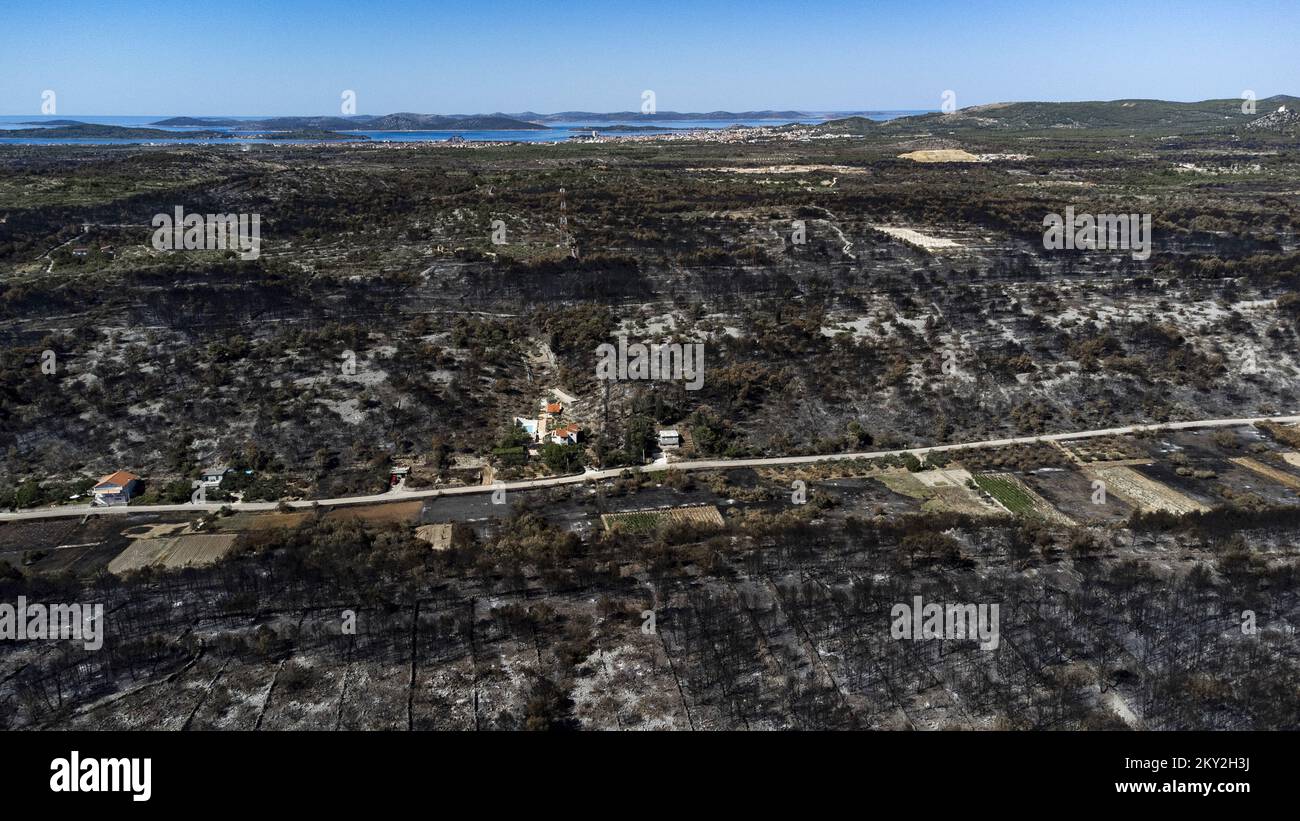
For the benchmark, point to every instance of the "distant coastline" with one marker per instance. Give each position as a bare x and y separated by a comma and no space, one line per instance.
398,127
1278,113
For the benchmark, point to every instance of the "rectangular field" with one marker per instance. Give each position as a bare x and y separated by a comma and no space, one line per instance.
263,521
1280,476
1146,493
1106,449
1074,494
940,491
173,552
406,511
648,521
1018,497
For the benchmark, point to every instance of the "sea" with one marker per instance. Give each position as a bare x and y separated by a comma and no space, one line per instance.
556,132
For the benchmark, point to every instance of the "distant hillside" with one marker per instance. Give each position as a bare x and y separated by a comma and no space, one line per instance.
53,122
117,132
1134,115
201,122
1283,118
439,122
83,131
848,125
298,123
402,121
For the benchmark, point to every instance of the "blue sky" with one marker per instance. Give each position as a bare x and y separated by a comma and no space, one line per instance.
472,56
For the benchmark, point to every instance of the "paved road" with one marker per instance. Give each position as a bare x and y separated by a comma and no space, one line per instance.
591,475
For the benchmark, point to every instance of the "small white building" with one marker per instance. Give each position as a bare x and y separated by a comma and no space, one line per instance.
567,435
669,439
211,477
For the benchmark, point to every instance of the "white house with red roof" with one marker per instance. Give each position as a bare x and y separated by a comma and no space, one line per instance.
567,435
116,488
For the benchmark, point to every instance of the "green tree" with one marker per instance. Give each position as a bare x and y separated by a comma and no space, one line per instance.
562,458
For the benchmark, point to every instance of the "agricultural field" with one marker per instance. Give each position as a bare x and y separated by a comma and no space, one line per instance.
1285,434
943,477
56,546
173,552
1008,491
865,497
647,521
1117,449
240,522
1017,458
1237,486
1147,494
939,491
1199,484
904,484
438,535
388,512
1074,494
838,469
1281,477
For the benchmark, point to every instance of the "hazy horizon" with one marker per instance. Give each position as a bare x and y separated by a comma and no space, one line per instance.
484,113
631,112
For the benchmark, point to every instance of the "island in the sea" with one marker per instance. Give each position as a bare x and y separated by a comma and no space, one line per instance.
73,130
403,121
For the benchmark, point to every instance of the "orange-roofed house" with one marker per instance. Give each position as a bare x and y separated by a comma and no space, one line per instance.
554,408
116,488
567,435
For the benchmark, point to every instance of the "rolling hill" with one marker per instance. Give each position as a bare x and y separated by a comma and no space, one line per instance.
402,121
1130,115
